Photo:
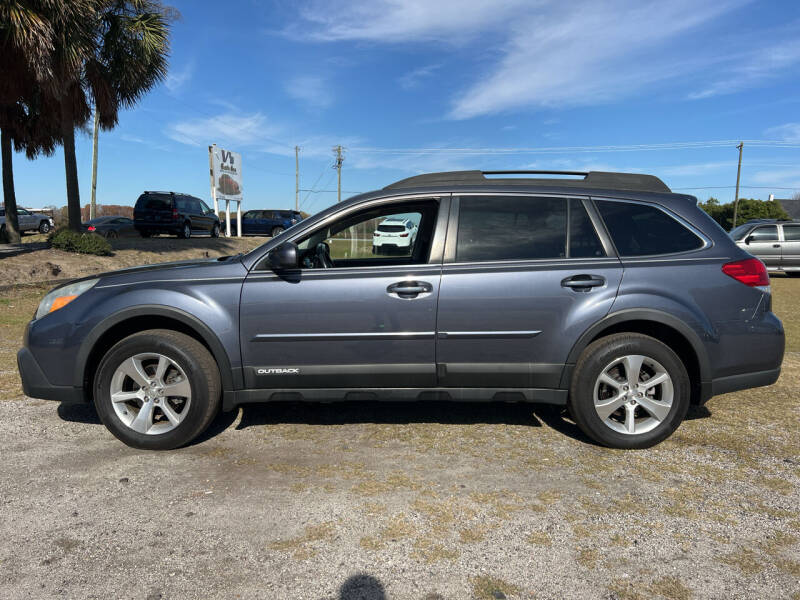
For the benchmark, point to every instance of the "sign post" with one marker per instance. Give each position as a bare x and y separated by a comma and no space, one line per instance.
226,184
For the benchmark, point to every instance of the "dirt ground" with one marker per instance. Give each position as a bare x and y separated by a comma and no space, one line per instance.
51,264
424,501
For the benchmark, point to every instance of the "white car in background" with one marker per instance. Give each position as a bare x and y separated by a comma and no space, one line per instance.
395,234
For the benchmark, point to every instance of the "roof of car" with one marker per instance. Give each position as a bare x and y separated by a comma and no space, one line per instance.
567,179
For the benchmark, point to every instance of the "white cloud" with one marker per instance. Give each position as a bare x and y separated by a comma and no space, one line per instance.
543,53
747,69
235,130
403,21
584,55
315,92
414,78
789,132
176,79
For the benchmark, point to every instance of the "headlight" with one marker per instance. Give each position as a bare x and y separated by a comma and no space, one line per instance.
62,296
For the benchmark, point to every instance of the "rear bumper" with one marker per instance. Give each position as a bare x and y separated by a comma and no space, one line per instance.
744,381
36,385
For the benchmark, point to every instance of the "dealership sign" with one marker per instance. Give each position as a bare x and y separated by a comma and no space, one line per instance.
226,182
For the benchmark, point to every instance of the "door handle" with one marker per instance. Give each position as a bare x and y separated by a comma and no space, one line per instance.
409,289
776,245
583,283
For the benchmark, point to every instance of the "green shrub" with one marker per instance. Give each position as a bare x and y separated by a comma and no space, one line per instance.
83,243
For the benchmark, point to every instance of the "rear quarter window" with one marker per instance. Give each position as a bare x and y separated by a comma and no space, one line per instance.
642,229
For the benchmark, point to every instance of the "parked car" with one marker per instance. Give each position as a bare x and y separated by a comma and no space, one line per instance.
513,290
395,234
111,226
178,214
266,221
28,221
775,242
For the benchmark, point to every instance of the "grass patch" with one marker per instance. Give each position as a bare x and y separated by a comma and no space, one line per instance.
744,560
670,587
303,546
429,551
487,587
540,538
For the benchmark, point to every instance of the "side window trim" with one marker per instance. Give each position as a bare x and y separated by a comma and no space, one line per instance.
707,242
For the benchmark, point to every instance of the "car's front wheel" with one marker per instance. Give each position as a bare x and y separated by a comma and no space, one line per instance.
629,391
157,389
215,230
44,227
276,231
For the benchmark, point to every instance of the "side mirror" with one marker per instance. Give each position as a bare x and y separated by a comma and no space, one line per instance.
284,257
748,239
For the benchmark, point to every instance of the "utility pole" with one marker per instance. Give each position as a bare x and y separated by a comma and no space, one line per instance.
93,205
738,175
338,167
297,178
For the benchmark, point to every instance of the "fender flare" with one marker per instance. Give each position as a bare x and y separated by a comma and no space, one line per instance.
148,310
645,314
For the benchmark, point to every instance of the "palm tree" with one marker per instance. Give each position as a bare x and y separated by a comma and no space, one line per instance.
110,61
26,41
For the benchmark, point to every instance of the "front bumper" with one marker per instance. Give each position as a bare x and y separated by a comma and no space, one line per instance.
36,385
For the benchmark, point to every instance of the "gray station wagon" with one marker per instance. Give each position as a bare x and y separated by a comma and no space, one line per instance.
776,243
605,293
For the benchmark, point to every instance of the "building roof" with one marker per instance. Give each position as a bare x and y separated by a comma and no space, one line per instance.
791,206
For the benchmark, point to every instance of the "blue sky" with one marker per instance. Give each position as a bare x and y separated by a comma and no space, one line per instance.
541,84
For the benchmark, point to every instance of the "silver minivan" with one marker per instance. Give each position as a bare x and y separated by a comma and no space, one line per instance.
776,243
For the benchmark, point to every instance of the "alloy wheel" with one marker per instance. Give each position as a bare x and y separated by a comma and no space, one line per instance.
633,394
150,393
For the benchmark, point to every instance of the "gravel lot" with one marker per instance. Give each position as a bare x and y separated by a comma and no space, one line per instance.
401,501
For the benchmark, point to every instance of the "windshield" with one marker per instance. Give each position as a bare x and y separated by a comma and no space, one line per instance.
738,232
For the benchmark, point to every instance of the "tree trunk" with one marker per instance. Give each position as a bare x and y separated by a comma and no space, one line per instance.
9,197
70,167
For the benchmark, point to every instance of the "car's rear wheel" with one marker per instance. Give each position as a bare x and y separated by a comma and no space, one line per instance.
145,234
157,389
112,235
44,227
629,391
276,231
186,231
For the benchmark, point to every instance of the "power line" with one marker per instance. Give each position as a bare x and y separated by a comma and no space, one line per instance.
572,149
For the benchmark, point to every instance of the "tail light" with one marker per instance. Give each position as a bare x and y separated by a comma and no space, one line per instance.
749,271
174,214
91,228
403,235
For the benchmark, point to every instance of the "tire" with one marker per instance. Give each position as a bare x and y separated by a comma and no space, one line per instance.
145,234
44,227
189,358
215,230
276,231
793,273
111,235
186,231
607,356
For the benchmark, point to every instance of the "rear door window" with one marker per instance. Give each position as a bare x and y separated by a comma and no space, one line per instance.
791,233
492,228
643,229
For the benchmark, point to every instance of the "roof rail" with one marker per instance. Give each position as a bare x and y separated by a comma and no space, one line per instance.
586,179
157,192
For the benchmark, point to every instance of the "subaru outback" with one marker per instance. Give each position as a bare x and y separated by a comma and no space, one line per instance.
606,294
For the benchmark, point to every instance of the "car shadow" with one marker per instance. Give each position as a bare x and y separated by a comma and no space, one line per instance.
384,413
387,413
